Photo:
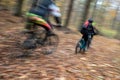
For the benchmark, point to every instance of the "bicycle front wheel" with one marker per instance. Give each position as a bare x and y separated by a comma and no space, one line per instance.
77,48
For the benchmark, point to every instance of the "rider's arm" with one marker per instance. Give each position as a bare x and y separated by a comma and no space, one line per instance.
96,30
58,20
55,11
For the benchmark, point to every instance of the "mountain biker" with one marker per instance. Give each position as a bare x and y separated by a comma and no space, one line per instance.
42,10
88,28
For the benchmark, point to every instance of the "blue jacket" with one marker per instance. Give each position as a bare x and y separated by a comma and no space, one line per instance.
42,8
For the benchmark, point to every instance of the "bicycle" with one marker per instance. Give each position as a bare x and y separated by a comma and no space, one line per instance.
38,38
81,46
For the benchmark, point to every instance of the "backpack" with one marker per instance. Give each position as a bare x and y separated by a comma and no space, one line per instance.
87,28
84,27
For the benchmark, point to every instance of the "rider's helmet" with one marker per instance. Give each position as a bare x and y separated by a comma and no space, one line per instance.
90,20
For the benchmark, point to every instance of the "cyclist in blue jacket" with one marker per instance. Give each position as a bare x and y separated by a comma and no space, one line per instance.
43,9
88,28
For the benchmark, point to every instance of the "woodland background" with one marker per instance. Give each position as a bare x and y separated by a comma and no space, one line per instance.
106,13
100,62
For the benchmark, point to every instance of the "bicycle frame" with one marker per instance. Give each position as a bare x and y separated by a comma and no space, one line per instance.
82,45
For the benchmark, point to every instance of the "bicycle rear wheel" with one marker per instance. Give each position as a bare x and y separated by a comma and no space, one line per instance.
81,46
50,44
21,50
28,41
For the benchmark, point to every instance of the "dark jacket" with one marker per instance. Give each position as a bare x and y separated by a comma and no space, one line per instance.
42,8
86,29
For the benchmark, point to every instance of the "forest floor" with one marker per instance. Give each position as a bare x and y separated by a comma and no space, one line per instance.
101,61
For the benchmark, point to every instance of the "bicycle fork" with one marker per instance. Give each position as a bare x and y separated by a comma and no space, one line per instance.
82,44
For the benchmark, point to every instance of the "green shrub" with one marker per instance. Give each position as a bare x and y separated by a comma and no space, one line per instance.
107,32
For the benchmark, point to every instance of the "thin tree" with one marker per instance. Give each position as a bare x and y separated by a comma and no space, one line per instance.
86,11
101,13
118,32
0,2
115,18
70,7
94,9
18,9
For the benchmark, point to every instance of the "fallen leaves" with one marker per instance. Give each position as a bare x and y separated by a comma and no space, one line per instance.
101,62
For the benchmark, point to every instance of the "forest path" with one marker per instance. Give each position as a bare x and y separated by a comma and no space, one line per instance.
101,61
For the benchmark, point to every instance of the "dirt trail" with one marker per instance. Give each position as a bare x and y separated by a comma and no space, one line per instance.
101,62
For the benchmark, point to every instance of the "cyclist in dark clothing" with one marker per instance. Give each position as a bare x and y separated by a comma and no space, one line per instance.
42,10
87,29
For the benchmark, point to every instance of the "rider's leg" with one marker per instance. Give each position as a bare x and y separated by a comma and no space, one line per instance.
85,37
46,25
40,20
49,30
28,26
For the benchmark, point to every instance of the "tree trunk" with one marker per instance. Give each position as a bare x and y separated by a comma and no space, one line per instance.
18,10
118,32
69,13
94,9
118,27
85,12
0,2
115,18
